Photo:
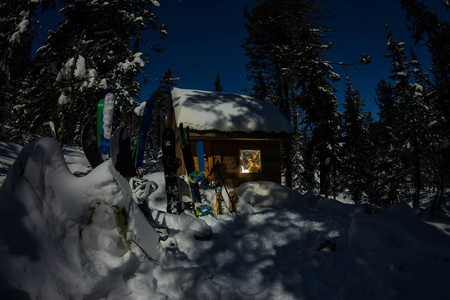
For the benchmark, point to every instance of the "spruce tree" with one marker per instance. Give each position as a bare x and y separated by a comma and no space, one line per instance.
392,169
406,118
419,126
95,50
218,87
18,26
355,154
385,160
285,47
435,34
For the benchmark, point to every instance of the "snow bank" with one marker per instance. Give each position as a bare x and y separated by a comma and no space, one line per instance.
270,194
61,235
65,237
215,111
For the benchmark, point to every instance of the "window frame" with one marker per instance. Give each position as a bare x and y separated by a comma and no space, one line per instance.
242,158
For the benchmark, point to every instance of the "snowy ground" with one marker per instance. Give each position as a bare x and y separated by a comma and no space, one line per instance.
61,237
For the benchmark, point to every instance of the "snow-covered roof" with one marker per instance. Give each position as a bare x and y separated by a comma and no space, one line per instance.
216,111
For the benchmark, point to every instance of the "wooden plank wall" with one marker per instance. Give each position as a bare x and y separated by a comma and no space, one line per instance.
229,150
229,147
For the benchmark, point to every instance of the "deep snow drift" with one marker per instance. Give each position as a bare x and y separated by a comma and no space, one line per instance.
67,233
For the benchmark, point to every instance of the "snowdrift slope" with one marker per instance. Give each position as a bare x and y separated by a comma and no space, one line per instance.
65,236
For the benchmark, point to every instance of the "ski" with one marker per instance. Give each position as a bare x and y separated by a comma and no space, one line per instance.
200,156
207,181
106,124
121,153
221,207
171,164
234,200
89,144
220,202
194,176
138,154
99,120
186,149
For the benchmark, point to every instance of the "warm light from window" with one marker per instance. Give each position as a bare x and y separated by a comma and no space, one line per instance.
250,161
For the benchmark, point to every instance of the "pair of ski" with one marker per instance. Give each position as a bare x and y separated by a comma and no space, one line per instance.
129,164
219,180
194,176
124,161
99,144
96,137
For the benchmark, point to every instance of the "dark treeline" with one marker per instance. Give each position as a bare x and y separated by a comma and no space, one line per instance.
381,162
98,47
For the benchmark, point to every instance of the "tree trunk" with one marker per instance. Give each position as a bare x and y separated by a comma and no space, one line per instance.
324,180
287,161
438,199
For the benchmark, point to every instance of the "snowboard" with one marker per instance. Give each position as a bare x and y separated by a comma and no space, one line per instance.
121,155
186,149
171,164
89,144
200,156
145,235
194,176
139,150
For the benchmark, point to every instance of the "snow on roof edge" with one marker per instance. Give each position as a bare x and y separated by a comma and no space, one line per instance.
226,112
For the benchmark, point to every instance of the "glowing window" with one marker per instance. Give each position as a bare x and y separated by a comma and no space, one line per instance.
250,161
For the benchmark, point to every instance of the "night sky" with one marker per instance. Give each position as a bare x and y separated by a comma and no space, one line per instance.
205,38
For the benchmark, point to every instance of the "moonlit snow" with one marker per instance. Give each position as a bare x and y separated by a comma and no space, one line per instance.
66,232
216,111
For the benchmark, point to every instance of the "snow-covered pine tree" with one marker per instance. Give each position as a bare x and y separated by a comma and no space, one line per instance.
285,48
435,34
260,88
95,50
323,120
391,170
18,27
270,47
320,108
405,128
218,87
356,151
419,127
160,111
383,140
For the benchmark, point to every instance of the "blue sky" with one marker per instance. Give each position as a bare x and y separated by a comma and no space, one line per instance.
205,38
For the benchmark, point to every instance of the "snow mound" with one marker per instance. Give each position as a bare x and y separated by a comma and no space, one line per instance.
266,193
69,237
72,227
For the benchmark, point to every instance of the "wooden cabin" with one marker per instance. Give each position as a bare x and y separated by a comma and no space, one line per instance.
242,132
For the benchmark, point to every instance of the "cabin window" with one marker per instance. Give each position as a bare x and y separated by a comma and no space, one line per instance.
250,161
